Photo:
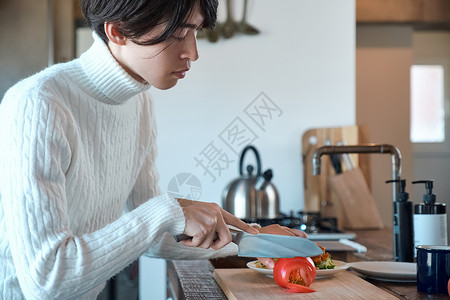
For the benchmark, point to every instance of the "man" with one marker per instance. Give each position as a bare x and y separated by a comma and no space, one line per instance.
79,190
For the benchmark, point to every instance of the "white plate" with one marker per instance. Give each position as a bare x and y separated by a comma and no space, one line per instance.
340,266
265,271
387,270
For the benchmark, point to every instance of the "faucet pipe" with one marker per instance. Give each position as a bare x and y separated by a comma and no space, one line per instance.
396,158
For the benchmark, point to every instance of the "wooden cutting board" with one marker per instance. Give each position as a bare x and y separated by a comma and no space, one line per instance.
318,193
360,210
242,284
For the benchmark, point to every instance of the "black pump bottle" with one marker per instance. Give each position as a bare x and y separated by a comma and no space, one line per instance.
403,225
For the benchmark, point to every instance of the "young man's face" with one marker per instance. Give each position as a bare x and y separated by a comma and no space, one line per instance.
161,65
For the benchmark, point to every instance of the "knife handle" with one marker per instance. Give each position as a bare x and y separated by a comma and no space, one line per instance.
182,237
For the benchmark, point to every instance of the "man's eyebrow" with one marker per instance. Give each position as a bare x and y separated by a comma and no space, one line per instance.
189,25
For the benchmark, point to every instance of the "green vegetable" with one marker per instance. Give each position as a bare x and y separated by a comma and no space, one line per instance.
326,264
259,264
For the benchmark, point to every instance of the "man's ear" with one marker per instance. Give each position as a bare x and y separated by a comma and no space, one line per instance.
114,35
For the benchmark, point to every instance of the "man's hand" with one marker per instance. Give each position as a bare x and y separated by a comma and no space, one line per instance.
280,230
204,220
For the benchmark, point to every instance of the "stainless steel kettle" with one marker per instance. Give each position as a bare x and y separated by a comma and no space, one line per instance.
252,196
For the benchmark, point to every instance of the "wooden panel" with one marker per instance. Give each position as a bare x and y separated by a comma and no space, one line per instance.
318,193
248,284
78,14
403,11
388,10
436,11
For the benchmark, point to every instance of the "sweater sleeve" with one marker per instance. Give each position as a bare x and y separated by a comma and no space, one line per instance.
52,262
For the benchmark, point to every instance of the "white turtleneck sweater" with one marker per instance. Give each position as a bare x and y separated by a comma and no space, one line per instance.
78,183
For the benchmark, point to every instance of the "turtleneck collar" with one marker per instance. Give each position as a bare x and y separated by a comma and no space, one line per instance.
113,84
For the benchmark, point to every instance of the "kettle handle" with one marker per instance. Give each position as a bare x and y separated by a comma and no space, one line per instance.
258,161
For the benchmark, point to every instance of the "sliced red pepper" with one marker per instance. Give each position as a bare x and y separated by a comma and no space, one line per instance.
448,287
296,288
295,273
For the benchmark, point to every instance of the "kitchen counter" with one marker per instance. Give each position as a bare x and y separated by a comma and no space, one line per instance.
193,279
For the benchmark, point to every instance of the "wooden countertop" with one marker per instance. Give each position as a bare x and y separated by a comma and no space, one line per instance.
193,279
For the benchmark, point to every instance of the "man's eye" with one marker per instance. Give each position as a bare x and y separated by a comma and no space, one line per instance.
180,34
178,38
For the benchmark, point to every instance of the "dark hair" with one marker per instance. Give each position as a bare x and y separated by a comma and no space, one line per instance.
135,18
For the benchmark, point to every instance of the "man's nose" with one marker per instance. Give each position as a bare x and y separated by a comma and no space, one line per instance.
191,51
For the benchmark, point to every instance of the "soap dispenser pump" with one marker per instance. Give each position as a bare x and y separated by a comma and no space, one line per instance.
430,219
403,225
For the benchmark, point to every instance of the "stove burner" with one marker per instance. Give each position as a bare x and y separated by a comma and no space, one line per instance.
307,222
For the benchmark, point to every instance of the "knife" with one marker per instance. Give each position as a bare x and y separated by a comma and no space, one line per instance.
335,161
269,245
346,157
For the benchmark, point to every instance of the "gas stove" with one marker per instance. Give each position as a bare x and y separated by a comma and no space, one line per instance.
316,227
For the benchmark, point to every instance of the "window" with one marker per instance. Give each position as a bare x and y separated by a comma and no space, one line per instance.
428,104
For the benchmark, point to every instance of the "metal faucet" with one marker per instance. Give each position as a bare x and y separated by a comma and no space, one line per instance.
396,171
396,158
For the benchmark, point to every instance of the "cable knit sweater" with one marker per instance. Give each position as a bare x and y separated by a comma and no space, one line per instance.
78,189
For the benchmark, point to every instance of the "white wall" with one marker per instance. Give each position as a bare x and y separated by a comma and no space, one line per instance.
303,61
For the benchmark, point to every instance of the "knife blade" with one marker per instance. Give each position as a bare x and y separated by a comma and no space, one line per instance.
334,158
348,163
269,245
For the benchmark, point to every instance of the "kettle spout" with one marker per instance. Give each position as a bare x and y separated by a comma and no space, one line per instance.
264,180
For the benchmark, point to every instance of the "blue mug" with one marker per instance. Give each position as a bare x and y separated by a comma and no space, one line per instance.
433,269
